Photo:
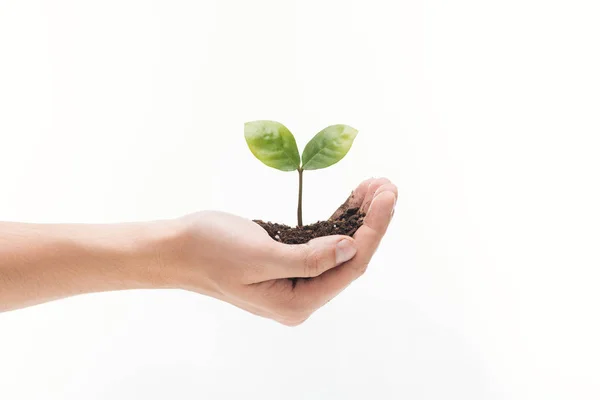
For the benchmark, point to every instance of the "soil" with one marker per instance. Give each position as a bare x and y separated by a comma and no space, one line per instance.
347,223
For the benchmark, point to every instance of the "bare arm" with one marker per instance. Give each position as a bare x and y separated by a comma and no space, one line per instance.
212,253
43,262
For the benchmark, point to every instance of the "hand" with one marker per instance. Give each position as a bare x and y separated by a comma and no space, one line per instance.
235,260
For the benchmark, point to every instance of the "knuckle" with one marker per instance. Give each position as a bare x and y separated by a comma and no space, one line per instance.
313,263
387,187
377,184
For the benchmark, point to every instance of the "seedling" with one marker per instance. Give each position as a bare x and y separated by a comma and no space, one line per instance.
274,145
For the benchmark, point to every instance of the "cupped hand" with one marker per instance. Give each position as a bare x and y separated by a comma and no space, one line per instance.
235,260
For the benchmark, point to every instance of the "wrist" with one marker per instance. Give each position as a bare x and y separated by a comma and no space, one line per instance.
171,255
152,252
181,250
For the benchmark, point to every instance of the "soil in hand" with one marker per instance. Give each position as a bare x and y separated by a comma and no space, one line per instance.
347,223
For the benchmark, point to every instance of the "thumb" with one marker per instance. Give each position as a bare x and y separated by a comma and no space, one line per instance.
312,258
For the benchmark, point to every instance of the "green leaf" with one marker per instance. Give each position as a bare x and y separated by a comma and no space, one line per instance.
273,144
328,146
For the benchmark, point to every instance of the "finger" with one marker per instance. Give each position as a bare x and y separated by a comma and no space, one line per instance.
380,213
310,259
355,199
296,303
372,189
327,285
387,187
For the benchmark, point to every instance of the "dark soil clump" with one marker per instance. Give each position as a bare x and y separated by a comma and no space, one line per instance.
345,224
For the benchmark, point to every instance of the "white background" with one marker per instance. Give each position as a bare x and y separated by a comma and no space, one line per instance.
484,113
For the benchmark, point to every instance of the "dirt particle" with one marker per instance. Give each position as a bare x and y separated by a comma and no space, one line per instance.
345,224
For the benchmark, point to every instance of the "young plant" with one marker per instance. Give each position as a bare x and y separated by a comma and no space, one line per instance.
274,145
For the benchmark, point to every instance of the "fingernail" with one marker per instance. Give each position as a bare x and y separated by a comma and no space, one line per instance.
344,251
394,207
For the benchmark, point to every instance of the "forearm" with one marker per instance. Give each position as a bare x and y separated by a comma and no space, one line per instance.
39,263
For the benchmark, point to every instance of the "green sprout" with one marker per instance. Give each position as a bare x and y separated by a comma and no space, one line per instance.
274,145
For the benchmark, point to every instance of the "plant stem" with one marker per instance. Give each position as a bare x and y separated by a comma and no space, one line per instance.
300,170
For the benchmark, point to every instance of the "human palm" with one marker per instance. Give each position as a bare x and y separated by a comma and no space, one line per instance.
238,262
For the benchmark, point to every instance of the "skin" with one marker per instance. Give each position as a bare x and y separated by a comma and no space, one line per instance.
212,253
